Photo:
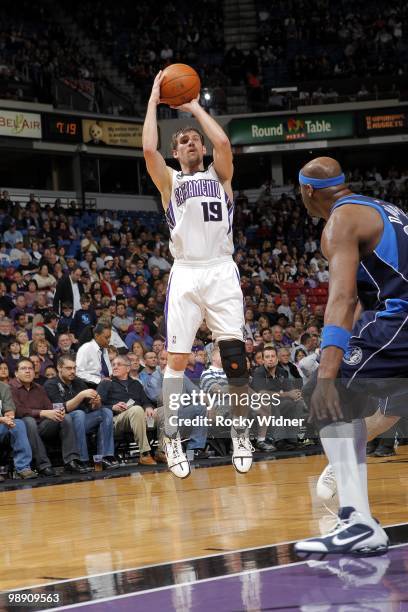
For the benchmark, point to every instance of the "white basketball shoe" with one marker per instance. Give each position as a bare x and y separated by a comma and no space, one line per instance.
176,459
242,451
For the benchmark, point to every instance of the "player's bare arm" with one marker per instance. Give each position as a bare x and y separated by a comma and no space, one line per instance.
221,145
348,236
156,165
340,245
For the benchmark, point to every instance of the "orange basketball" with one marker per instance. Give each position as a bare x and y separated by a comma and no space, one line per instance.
180,84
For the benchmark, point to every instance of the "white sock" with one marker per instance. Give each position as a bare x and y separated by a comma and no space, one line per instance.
342,443
172,389
360,445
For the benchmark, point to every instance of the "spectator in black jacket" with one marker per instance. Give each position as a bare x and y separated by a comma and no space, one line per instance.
87,413
271,377
50,329
128,401
69,289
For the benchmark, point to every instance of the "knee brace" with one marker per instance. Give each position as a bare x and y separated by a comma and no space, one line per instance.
233,359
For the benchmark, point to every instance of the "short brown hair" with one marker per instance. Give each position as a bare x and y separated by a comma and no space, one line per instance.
188,128
269,348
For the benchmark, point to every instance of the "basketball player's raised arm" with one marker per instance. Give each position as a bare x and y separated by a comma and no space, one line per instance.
222,153
156,166
341,247
221,145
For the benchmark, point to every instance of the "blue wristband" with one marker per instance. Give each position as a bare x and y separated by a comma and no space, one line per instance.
333,335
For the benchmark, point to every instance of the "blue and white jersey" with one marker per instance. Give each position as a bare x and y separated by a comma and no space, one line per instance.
199,216
387,265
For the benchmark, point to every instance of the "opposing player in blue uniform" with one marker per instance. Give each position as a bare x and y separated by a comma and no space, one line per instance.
367,358
386,415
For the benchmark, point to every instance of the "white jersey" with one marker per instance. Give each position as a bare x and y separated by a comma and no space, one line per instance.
199,216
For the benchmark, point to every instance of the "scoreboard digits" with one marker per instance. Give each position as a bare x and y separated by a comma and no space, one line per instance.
63,128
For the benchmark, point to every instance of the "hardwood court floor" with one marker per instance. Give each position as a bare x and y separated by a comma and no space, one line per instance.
66,531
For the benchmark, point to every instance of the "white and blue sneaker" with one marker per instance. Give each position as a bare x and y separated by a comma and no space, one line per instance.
354,534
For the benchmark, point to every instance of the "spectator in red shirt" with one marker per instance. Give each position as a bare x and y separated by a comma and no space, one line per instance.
43,422
108,286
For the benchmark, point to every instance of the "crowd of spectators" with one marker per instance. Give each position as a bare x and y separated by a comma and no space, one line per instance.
82,300
330,51
35,49
391,186
298,43
345,39
291,49
387,183
82,330
141,39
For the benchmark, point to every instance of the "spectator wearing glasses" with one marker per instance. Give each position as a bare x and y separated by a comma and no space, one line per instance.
127,400
43,422
85,409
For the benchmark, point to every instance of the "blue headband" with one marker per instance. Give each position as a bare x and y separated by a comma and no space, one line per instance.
321,183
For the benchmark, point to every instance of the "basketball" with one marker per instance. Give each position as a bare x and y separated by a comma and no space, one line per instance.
180,84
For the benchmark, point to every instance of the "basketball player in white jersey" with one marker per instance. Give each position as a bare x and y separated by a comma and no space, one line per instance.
204,281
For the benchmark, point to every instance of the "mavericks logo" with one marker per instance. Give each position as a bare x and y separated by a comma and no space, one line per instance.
353,356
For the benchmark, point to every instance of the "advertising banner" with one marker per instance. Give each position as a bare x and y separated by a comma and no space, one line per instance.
291,128
20,124
112,133
383,121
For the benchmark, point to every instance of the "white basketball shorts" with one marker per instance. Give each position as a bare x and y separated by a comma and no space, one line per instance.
198,291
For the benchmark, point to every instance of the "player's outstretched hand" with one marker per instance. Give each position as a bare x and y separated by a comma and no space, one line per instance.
325,402
189,107
155,95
